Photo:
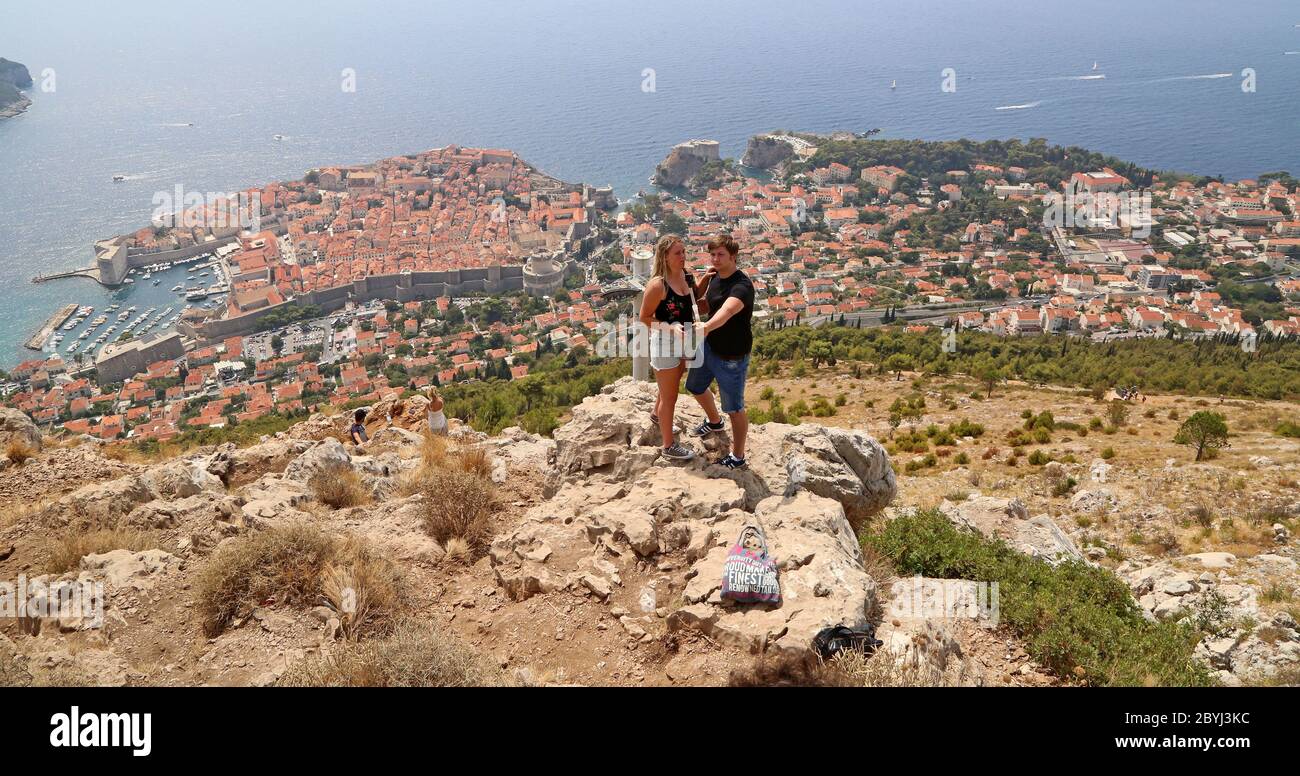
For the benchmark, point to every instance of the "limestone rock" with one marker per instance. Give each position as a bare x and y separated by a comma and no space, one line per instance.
15,426
1002,519
322,457
125,569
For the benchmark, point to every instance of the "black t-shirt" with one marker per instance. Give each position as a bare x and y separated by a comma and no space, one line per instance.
732,339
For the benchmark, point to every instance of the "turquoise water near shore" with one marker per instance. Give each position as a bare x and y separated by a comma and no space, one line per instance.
562,83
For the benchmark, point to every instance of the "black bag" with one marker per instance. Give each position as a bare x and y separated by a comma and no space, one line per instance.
830,642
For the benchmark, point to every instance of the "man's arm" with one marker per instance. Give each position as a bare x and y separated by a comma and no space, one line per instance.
729,308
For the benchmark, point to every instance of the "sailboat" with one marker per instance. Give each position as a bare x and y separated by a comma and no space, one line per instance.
1094,65
893,84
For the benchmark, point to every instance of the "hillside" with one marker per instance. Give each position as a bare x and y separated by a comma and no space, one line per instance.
587,559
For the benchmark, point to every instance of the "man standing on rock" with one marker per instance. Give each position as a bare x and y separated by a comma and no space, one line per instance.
727,296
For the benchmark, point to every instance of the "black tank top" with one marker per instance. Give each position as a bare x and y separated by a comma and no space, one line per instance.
675,307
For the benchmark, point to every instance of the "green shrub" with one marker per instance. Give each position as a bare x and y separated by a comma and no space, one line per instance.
1069,616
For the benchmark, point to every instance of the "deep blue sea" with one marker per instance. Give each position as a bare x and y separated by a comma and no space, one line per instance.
563,84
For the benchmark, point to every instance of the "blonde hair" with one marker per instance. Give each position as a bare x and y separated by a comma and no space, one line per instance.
662,248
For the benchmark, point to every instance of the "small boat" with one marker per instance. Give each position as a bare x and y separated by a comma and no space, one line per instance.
119,178
893,84
156,282
278,137
1094,65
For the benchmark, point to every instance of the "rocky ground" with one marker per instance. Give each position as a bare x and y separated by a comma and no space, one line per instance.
602,561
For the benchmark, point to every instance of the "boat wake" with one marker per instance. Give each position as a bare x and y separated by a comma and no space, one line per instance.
1210,76
1025,106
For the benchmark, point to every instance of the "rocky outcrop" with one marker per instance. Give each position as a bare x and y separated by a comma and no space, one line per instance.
765,152
622,521
1242,642
1009,520
15,426
685,161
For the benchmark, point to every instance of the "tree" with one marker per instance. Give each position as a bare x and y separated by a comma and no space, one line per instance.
277,343
897,363
990,375
672,224
819,352
1206,431
533,391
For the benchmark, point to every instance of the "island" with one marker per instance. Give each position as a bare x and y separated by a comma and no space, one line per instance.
13,78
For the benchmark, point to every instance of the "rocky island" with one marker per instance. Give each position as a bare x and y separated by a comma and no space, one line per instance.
695,165
13,77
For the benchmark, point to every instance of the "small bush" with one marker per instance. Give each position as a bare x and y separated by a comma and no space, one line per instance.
1107,453
339,486
474,460
457,505
20,451
415,655
1063,487
297,564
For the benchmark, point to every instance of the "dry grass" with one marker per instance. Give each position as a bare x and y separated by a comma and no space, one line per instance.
20,451
339,486
456,551
65,550
457,505
474,460
884,670
788,670
296,564
414,655
362,587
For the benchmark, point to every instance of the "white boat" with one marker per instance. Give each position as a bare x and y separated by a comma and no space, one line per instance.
1094,65
893,84
119,178
278,137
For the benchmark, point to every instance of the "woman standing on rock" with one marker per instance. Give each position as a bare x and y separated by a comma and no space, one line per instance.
667,310
437,418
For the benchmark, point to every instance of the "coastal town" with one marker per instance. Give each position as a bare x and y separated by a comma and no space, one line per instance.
461,264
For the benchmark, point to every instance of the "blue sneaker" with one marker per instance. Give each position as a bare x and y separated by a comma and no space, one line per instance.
706,428
732,462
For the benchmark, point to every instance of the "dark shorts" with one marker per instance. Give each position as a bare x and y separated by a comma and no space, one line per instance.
730,375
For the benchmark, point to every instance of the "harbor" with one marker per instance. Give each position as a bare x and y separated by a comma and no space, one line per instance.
151,299
43,334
